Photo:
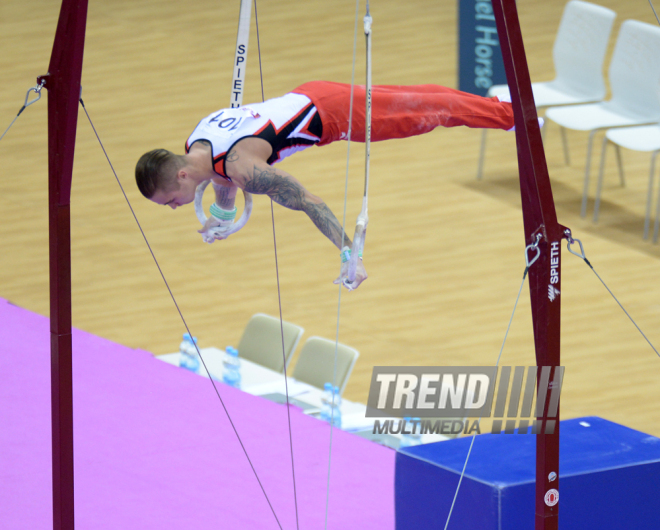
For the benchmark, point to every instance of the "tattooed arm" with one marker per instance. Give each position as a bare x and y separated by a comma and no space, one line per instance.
286,190
253,174
225,195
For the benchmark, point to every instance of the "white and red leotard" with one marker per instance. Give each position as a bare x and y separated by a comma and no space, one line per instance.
317,113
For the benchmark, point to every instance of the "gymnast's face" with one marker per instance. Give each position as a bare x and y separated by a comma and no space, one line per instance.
182,193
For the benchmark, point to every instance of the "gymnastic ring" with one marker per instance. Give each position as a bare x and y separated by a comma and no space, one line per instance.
223,231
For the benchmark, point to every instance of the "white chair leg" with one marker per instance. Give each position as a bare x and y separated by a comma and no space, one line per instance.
649,194
564,142
585,193
601,171
657,207
622,178
482,154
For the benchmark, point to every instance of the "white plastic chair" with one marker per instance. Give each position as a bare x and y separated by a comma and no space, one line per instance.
578,55
316,364
634,73
262,341
645,139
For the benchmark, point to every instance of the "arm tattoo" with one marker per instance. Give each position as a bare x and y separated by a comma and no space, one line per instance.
291,194
327,223
282,190
232,156
222,198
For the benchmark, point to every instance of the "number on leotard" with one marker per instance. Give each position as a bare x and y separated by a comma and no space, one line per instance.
228,122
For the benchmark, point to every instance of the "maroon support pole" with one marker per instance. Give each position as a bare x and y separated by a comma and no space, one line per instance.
63,84
539,218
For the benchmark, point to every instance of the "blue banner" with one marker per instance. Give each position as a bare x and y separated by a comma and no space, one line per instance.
480,63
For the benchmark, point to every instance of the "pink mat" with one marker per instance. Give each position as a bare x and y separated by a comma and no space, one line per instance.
154,448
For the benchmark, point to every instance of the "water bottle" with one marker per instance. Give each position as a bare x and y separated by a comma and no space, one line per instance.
413,434
330,403
231,374
188,356
336,417
326,402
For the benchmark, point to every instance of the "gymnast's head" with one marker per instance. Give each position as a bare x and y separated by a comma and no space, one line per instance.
157,170
158,177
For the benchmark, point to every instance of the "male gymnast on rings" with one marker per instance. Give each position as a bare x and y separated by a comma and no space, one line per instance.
236,148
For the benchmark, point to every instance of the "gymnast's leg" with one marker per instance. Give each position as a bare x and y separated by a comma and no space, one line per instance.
402,111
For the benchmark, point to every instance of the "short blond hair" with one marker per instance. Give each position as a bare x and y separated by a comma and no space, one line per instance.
156,170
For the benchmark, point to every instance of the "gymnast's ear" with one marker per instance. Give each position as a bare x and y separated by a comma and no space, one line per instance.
182,174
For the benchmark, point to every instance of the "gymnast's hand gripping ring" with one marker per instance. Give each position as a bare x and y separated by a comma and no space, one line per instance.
221,232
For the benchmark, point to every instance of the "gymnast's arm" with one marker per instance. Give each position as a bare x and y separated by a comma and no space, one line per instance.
225,196
225,193
247,167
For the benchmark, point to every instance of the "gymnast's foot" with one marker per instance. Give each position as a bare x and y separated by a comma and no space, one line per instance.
541,122
506,98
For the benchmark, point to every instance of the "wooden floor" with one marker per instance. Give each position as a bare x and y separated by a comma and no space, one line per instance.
444,252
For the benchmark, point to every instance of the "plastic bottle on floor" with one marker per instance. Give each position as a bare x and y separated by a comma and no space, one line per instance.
188,356
231,374
413,434
336,417
326,402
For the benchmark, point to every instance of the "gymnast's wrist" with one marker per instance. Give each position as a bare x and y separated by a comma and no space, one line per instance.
221,214
346,254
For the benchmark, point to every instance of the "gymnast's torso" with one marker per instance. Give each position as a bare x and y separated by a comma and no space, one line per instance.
289,124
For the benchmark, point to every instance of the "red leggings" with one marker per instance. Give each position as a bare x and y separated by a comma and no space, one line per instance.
401,111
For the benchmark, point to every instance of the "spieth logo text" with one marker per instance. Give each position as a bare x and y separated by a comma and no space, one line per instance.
466,392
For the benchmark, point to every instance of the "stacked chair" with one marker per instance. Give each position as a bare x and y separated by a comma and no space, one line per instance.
634,76
645,139
575,98
578,56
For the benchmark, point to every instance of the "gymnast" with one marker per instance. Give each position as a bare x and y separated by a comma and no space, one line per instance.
236,148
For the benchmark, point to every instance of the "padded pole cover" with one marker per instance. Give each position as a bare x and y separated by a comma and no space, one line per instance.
63,84
539,217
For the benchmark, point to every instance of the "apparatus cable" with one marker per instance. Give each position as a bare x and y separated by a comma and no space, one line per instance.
279,297
162,275
343,234
528,263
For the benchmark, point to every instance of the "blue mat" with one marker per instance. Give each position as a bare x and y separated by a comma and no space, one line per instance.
609,476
